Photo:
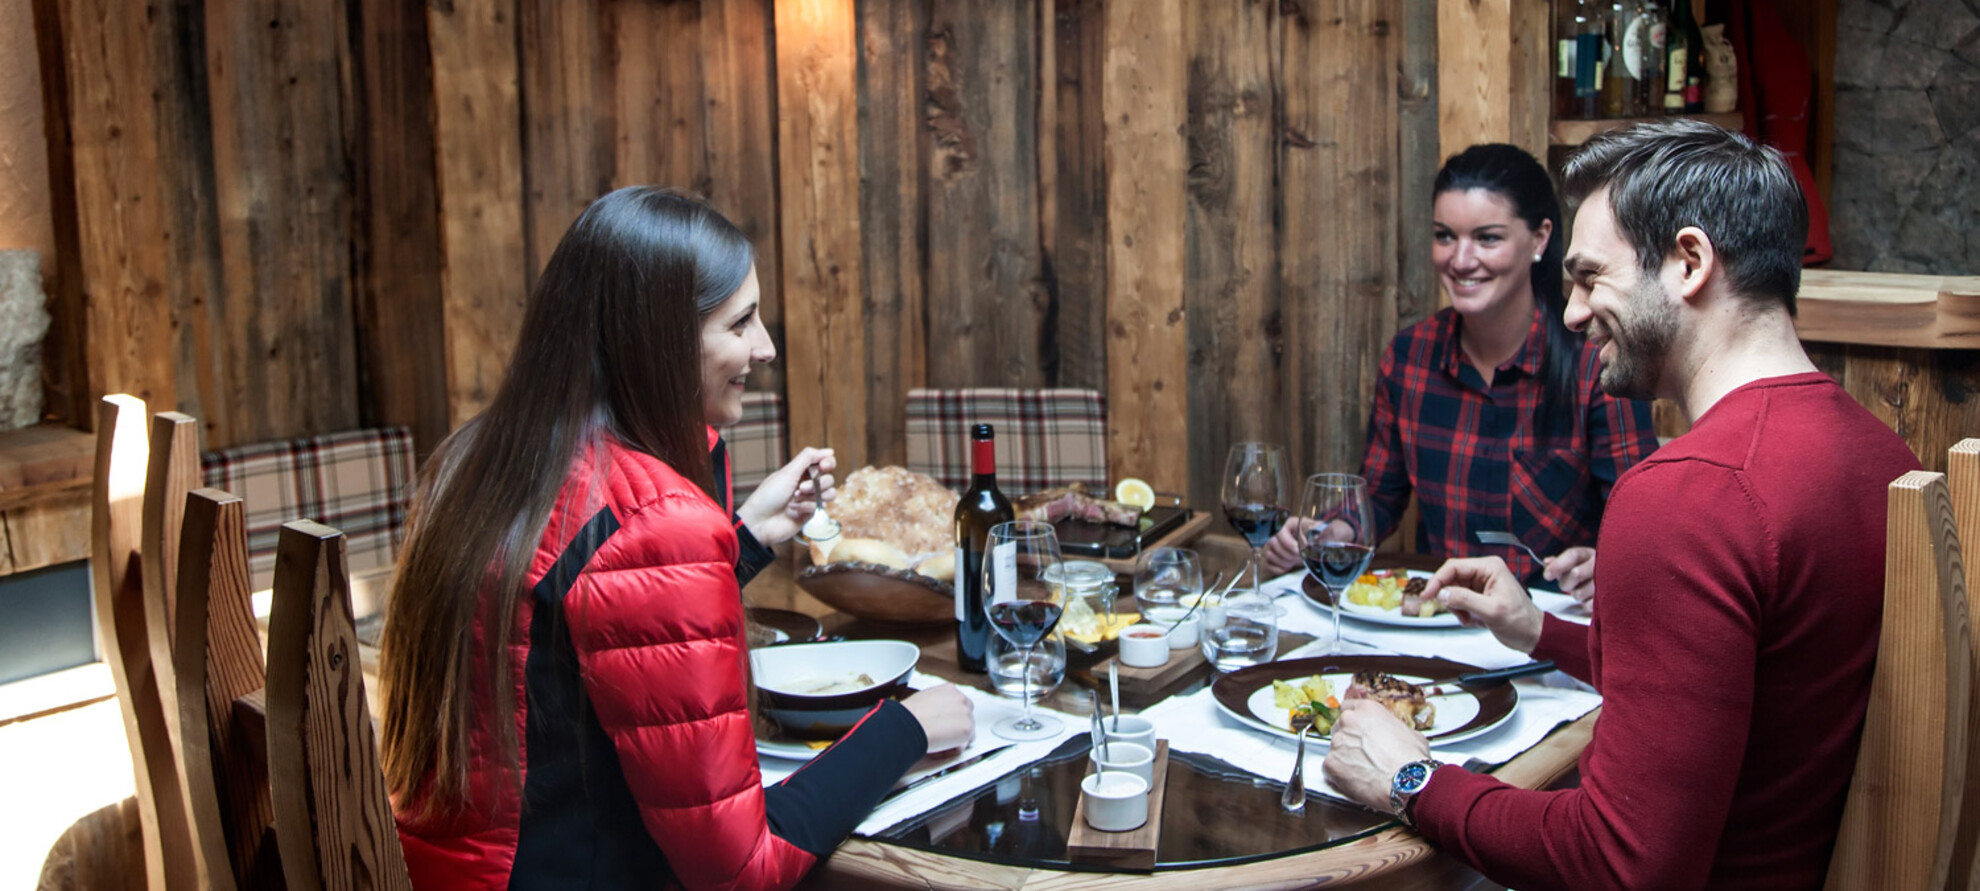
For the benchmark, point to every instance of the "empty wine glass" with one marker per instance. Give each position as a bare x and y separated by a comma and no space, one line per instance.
1337,537
1167,583
1255,498
1022,605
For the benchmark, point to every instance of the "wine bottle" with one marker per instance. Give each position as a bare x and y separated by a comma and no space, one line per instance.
981,507
1684,74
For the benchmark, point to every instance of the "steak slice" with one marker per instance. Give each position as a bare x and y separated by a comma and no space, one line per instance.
1402,698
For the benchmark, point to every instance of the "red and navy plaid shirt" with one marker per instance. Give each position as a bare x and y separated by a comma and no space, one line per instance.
1476,456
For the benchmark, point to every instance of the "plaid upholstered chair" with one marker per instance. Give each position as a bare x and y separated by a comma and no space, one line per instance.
758,442
1045,438
359,481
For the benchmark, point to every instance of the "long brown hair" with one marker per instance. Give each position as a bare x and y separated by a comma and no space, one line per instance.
610,347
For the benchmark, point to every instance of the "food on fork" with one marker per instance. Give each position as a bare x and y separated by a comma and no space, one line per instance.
1402,698
1053,505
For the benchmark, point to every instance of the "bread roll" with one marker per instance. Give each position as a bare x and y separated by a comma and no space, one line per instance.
868,550
941,567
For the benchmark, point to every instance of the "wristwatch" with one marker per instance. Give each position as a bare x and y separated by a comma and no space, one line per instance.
1410,779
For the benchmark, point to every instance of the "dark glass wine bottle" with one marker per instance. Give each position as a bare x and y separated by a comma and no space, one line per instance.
981,507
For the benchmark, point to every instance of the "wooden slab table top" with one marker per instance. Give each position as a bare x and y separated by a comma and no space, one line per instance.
1356,847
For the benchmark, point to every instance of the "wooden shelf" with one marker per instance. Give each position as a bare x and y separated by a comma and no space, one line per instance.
1570,133
1889,309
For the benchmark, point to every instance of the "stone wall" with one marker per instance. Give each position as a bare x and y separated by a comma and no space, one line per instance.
23,322
1906,185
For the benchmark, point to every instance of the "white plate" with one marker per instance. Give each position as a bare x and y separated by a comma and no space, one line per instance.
1379,616
1458,715
785,749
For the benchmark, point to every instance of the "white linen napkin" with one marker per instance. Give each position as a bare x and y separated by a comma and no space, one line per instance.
990,708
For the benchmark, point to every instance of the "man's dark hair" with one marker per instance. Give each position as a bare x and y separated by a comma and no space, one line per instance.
1667,175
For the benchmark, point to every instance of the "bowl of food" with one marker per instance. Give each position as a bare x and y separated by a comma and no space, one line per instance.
892,555
819,690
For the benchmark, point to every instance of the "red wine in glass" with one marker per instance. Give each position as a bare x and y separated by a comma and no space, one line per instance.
1256,522
1337,563
1024,622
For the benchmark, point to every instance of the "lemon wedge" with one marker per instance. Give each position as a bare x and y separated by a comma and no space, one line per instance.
1135,492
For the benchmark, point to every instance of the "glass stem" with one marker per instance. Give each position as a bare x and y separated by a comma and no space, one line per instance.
1024,688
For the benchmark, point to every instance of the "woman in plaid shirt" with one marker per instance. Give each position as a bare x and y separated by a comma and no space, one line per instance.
1489,411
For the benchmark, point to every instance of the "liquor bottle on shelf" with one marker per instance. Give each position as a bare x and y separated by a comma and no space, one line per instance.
981,507
1618,87
1684,85
1644,53
1578,59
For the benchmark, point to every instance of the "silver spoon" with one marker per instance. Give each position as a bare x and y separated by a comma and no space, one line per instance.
1184,619
1294,798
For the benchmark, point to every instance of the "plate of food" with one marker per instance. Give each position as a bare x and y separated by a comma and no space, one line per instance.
1386,597
769,627
1265,696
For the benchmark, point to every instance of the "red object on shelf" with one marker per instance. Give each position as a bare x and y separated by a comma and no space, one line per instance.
1776,86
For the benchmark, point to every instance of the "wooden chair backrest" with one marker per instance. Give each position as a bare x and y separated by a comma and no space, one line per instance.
217,662
133,636
333,820
1963,477
1901,818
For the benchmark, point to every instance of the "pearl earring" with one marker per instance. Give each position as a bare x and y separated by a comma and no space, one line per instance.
1536,258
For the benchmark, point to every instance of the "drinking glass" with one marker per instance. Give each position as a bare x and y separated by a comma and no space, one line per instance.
1022,605
1167,582
1255,498
1006,662
1243,633
1338,538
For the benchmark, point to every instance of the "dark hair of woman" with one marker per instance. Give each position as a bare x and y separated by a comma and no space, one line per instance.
1509,172
610,347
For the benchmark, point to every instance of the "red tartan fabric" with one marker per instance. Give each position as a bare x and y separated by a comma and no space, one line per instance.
359,481
757,443
1476,457
1045,438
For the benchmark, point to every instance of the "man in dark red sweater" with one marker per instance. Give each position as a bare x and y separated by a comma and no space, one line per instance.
1742,564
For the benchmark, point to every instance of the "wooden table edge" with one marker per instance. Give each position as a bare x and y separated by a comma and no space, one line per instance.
862,863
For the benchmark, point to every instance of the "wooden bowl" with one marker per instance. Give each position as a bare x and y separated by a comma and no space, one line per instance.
881,594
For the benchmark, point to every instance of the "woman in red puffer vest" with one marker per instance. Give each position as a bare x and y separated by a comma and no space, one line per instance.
563,669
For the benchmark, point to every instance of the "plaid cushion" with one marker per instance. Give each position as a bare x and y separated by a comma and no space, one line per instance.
756,443
1045,438
360,482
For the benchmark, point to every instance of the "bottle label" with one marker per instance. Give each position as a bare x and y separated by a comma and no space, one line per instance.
1564,58
1004,557
961,586
1674,73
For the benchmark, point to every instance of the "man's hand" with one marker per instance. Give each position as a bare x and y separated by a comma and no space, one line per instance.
788,497
1282,552
1483,593
1369,745
1574,570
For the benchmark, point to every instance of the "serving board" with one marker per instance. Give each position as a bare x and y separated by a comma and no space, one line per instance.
1132,850
1192,525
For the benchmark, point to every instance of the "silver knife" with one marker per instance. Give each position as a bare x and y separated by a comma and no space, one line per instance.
925,780
1479,679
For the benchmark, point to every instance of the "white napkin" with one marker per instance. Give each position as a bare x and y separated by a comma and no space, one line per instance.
1195,723
990,709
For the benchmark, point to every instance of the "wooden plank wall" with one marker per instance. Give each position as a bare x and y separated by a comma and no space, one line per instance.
287,221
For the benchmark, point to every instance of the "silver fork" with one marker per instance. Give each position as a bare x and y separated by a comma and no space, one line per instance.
1294,798
1507,538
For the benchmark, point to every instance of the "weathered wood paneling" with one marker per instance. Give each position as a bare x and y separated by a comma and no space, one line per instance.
1338,243
1417,156
1144,104
893,218
1492,73
478,138
739,172
988,313
1073,183
1237,344
396,231
285,352
569,137
818,148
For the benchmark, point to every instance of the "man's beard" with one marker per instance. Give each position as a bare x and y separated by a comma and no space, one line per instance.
1642,333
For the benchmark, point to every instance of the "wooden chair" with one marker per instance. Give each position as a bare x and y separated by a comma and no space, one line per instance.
333,821
1963,478
132,633
1902,816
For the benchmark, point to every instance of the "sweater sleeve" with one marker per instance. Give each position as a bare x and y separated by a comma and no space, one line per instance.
821,804
657,625
1566,643
751,555
1383,465
1674,657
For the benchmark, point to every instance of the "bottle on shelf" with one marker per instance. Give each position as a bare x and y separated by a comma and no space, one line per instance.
1618,86
982,506
1684,85
1578,49
1644,53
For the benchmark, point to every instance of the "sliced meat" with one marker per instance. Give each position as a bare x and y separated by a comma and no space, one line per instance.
1402,698
1053,505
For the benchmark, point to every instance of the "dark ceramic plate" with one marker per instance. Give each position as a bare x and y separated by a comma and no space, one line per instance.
1246,694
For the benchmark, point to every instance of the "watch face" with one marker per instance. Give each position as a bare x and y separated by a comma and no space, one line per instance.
1412,777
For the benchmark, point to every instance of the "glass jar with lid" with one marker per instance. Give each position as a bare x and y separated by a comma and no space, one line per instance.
1090,591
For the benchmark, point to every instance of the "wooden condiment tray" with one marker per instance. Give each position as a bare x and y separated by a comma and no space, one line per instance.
1131,850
